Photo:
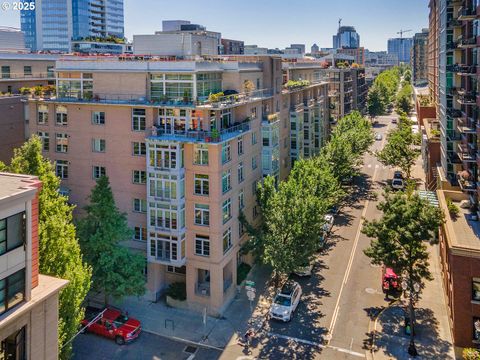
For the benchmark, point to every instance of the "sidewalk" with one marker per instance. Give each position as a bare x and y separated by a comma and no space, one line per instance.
164,320
433,338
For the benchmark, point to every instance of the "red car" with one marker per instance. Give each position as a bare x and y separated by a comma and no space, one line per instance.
112,324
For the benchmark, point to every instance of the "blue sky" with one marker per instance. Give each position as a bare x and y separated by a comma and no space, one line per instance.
276,23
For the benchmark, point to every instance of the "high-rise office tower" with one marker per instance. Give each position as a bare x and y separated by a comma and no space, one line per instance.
53,24
347,37
400,47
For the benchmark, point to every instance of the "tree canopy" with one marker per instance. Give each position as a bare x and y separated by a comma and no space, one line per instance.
59,251
117,271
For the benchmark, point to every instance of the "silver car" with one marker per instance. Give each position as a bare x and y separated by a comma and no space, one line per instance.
286,301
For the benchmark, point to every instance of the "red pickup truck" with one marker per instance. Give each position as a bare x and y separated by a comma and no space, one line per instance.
112,323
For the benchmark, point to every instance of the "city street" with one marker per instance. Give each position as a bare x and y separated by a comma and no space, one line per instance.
345,287
147,346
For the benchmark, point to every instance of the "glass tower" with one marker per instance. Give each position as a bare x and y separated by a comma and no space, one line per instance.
55,23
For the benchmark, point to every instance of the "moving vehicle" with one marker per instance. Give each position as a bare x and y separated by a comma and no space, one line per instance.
286,301
378,136
397,181
112,323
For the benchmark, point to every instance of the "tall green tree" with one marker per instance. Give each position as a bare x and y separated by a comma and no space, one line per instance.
400,150
400,238
59,251
375,105
117,271
404,99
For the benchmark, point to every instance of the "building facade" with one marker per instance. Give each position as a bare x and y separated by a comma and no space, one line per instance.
29,301
233,47
181,165
11,39
12,125
26,70
401,48
74,20
453,78
419,58
347,37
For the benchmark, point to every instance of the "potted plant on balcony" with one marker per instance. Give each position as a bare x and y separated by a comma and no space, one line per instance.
453,209
215,135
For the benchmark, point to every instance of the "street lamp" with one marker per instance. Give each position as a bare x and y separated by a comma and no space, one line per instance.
412,350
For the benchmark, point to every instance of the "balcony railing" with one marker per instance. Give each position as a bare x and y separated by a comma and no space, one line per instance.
200,135
21,76
467,185
270,118
466,14
462,69
467,99
452,45
467,42
235,99
454,113
453,23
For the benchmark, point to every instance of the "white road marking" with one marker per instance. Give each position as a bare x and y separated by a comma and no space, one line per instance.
191,357
369,166
352,255
312,343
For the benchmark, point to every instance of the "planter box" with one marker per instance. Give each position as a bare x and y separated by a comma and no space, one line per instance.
179,304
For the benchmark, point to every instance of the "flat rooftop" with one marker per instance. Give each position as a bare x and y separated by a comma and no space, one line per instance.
15,185
463,234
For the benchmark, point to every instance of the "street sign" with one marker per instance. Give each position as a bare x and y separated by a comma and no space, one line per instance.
250,283
251,295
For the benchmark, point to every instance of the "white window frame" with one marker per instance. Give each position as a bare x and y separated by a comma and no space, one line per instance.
240,172
45,138
226,210
142,231
138,119
97,145
227,240
140,172
227,178
61,169
97,118
199,157
98,171
204,242
139,148
204,214
204,184
139,206
61,142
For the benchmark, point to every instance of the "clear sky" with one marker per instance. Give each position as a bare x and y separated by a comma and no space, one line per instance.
276,23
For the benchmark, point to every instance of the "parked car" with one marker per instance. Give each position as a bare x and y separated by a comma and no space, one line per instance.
378,136
112,323
398,184
286,301
329,219
398,175
334,210
394,120
304,270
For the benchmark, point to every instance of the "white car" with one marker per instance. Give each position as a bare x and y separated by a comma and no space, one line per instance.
286,301
329,219
398,184
305,270
378,136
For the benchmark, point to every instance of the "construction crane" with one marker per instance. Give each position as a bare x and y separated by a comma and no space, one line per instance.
401,32
339,23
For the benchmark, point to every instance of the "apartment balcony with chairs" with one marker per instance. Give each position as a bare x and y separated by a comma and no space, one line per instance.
466,14
182,134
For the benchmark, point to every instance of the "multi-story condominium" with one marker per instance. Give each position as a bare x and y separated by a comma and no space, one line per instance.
182,164
29,300
26,70
347,37
419,58
453,50
400,47
357,53
360,89
74,20
232,47
340,83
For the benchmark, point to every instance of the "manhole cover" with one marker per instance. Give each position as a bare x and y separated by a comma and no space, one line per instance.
190,349
370,291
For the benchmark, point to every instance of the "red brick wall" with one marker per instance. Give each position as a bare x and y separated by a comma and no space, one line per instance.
35,265
425,112
433,159
12,126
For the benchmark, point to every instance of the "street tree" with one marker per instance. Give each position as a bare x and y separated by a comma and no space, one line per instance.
400,150
59,251
404,99
117,271
293,219
400,238
375,105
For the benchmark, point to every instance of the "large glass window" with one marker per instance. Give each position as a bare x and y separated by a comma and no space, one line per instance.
164,186
61,115
226,181
5,72
163,156
12,232
12,290
98,118
240,172
208,83
201,154
42,115
202,245
227,210
61,142
202,186
476,289
138,119
226,153
166,216
62,169
44,137
202,214
227,240
13,347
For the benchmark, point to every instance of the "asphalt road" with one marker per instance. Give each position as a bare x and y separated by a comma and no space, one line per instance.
146,347
332,320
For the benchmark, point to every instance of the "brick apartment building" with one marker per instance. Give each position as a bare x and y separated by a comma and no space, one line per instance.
182,165
29,305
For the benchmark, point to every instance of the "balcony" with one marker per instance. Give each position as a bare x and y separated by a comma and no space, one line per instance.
452,45
466,14
453,23
454,113
466,129
271,118
467,99
228,101
470,42
462,69
23,77
453,91
465,154
193,136
467,185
